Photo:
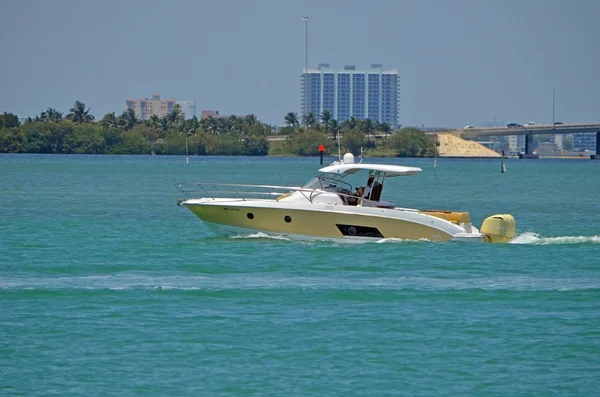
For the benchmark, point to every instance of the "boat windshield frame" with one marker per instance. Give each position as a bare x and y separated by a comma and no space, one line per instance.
327,181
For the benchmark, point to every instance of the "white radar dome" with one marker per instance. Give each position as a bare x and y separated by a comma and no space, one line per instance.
348,158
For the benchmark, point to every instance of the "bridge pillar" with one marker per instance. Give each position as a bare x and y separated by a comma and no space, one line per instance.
597,155
528,148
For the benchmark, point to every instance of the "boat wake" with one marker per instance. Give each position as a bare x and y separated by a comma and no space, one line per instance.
260,236
336,282
399,240
536,239
530,238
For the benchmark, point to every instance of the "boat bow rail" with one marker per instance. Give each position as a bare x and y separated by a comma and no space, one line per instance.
214,191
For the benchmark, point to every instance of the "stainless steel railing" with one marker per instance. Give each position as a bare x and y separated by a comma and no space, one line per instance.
241,191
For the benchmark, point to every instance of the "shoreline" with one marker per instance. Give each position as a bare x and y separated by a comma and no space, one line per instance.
588,157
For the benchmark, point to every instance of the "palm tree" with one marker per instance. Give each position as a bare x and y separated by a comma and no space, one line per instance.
236,124
291,120
50,115
250,119
79,114
367,127
309,120
164,123
385,128
335,128
109,121
195,124
350,124
154,121
210,125
326,120
127,120
42,118
175,116
223,125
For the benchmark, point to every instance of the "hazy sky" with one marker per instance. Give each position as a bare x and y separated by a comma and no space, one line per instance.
461,61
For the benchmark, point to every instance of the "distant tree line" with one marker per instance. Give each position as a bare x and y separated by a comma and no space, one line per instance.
306,133
78,132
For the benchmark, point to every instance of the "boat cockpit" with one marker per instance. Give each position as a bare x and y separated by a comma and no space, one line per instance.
368,195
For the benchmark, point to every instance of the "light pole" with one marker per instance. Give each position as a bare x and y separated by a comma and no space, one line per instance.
306,19
187,159
553,103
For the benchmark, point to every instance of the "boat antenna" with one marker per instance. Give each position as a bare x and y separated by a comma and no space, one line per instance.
361,155
503,167
339,147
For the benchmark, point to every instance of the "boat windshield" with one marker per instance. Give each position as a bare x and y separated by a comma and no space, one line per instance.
314,183
326,181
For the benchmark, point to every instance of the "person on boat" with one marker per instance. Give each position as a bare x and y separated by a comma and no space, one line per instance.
354,197
368,188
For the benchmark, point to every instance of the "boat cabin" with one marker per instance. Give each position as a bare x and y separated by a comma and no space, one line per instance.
329,187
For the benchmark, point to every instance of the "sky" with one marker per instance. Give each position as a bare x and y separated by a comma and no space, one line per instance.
461,62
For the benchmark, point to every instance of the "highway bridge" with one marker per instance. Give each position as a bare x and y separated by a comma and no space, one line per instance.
535,129
528,130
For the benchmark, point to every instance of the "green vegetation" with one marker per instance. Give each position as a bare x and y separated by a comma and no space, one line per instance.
79,132
376,139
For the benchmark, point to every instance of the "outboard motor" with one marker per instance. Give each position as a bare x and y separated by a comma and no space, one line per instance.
498,228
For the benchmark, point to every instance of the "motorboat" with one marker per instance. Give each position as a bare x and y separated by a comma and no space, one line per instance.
330,208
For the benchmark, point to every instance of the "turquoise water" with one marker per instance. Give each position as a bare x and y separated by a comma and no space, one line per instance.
108,288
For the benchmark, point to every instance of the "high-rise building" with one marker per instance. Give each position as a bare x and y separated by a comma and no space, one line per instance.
370,93
188,109
146,108
584,141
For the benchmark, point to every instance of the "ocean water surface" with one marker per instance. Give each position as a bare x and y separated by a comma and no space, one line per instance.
108,288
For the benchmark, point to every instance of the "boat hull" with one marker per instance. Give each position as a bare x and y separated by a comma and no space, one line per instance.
323,222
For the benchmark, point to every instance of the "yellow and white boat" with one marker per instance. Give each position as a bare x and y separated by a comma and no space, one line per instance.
328,208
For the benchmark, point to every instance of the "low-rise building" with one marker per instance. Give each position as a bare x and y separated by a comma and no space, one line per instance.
214,114
147,107
516,144
547,149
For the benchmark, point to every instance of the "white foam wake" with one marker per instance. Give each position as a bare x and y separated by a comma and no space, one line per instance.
260,235
337,281
534,238
400,240
523,238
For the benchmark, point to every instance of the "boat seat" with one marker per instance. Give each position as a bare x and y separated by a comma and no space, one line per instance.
376,193
452,216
